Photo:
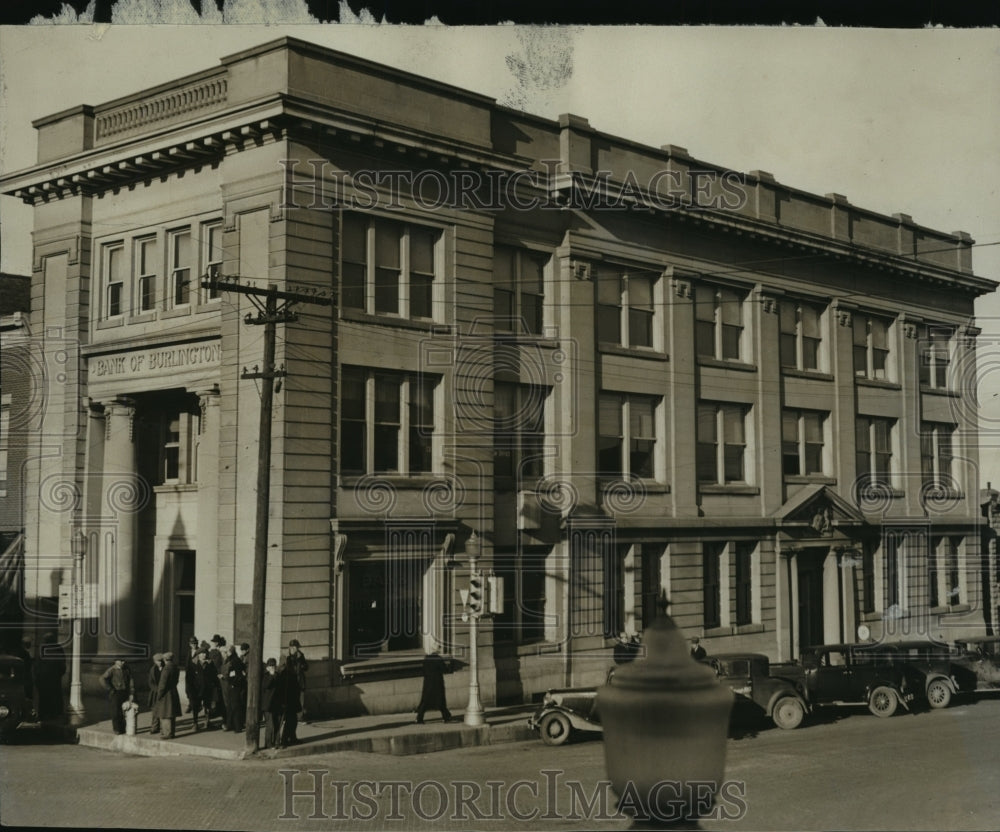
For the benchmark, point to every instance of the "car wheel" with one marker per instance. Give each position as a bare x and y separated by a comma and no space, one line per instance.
883,701
788,713
555,728
938,694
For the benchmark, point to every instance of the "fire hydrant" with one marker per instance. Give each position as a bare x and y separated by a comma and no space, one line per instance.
131,711
666,721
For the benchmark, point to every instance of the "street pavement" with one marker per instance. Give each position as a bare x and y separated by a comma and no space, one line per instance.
848,770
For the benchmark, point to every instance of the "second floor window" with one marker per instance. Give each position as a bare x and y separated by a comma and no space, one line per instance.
873,450
722,443
801,335
518,290
386,422
719,322
936,453
935,356
627,436
871,347
212,240
387,267
146,262
180,267
518,430
114,281
625,308
802,442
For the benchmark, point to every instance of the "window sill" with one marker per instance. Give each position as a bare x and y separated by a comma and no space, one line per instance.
741,366
648,486
533,338
649,353
401,481
178,312
931,491
143,317
878,383
954,609
749,490
815,375
175,487
419,324
940,391
711,632
746,629
208,306
407,664
810,479
111,323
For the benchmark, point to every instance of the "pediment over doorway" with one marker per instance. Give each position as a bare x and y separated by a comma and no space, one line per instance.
818,511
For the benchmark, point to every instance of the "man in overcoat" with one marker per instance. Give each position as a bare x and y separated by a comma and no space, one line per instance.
168,702
432,697
155,670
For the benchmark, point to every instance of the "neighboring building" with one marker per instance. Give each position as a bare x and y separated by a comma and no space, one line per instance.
635,376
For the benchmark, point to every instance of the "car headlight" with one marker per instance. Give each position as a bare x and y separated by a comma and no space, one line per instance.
4,712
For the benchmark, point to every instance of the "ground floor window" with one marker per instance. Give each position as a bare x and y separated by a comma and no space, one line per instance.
523,618
385,606
947,587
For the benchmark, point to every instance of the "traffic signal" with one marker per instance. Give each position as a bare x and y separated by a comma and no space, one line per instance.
476,593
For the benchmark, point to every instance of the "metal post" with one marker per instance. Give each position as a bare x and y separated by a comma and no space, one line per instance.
77,712
474,711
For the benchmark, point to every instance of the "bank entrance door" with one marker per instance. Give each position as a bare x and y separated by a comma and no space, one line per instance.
183,607
810,599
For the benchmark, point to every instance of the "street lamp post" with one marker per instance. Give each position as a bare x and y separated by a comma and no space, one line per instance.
474,710
79,549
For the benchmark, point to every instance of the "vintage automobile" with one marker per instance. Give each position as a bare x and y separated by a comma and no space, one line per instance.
564,711
980,657
749,676
13,701
851,674
932,669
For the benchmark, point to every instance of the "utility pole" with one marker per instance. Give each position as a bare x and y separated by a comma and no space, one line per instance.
269,315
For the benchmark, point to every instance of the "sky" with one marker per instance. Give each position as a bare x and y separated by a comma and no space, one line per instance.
896,120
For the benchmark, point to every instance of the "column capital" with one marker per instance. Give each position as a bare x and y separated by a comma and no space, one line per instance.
120,406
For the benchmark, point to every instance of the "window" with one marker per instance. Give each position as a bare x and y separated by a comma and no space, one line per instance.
722,443
146,263
893,571
868,600
873,450
625,308
718,322
518,431
178,435
871,347
523,618
114,280
387,267
518,290
801,335
386,422
947,584
935,356
802,442
385,605
180,267
212,240
936,453
743,582
627,436
711,584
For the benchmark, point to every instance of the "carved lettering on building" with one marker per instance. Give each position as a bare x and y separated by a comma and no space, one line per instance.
155,361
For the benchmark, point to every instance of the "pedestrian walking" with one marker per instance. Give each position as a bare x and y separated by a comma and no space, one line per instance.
50,668
234,673
155,671
270,706
432,696
168,701
297,661
117,681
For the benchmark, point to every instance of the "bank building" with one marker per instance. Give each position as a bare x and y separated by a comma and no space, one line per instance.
632,375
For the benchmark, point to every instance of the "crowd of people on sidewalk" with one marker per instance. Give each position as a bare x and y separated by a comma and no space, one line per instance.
215,684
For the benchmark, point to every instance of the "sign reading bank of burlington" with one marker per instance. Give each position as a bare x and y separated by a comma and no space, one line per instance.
156,362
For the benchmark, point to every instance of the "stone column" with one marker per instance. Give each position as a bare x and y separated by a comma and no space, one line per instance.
123,497
207,554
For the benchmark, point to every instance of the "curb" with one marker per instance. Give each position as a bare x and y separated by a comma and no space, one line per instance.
147,747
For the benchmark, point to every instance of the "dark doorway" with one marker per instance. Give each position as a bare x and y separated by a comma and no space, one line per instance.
184,560
810,601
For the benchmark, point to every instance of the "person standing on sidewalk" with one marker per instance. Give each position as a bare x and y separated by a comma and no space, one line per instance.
289,696
155,670
432,697
208,685
117,681
270,706
168,702
298,664
222,685
190,689
234,673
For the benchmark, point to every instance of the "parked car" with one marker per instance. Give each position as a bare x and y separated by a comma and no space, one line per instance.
749,676
980,657
853,674
13,701
564,711
933,670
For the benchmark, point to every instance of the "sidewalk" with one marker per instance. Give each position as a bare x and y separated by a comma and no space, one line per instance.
396,734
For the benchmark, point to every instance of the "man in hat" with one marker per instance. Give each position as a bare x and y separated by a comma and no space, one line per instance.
155,670
270,705
168,702
189,686
296,663
207,690
222,685
117,681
